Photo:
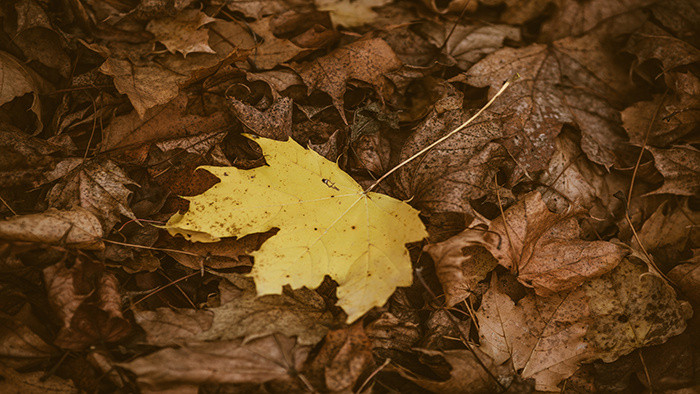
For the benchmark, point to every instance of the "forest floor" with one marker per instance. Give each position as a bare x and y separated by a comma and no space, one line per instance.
549,242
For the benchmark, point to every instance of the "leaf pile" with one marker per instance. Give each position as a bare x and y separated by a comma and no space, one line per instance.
185,196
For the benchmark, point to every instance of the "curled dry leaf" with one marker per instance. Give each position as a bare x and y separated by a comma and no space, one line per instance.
687,277
182,33
272,358
459,267
364,60
88,304
344,358
605,318
572,80
459,169
543,248
99,187
680,166
76,228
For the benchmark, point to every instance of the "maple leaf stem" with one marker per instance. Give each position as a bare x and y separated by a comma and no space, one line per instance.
448,135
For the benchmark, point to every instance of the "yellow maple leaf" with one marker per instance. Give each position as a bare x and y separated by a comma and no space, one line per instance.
328,226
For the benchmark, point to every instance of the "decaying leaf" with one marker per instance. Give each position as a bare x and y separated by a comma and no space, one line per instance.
328,226
605,318
345,356
182,33
459,169
350,13
542,248
568,81
680,166
19,345
272,358
645,44
275,122
88,304
663,120
364,60
75,228
99,187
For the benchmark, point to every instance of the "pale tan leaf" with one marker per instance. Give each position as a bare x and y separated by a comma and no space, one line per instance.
680,166
182,32
350,13
76,228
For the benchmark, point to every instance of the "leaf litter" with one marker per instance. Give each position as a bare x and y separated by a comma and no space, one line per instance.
511,256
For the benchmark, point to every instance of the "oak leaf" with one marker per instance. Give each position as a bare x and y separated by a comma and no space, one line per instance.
328,226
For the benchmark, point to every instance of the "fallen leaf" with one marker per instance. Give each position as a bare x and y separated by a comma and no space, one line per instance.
21,81
21,347
687,277
350,13
325,221
88,304
519,11
603,319
574,18
668,232
653,42
182,33
467,44
460,267
571,181
390,334
662,121
543,248
257,9
272,358
227,253
99,187
679,17
76,228
680,166
24,160
37,382
364,60
467,373
570,81
275,122
168,121
459,169
345,356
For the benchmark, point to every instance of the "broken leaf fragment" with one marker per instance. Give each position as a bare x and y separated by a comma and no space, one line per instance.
328,226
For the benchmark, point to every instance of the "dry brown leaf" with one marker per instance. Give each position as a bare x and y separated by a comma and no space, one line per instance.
467,374
257,9
653,42
227,253
272,358
168,121
605,318
459,267
543,248
365,60
99,187
570,81
345,356
467,44
275,122
680,17
453,6
88,304
301,313
680,166
457,170
351,13
20,81
687,277
614,17
519,11
663,120
19,345
37,382
390,334
24,160
76,228
670,231
571,181
182,33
